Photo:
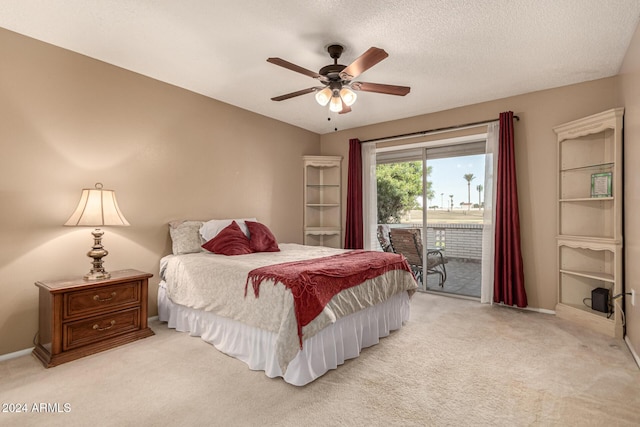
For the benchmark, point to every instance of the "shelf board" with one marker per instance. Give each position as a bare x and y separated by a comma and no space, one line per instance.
322,230
312,228
599,240
322,205
587,199
323,185
591,319
584,310
586,167
605,277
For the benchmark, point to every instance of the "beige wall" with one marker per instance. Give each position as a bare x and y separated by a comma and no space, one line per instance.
535,141
630,96
68,121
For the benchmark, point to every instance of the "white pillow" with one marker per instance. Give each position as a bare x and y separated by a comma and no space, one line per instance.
185,237
210,229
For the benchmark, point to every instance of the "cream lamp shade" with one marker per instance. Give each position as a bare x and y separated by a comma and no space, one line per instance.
97,207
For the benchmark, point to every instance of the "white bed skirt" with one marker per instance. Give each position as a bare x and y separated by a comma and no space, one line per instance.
324,351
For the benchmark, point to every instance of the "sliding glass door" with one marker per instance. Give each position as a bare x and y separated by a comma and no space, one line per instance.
430,203
454,223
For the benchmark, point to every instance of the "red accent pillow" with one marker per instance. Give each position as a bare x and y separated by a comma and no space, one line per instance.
230,241
261,239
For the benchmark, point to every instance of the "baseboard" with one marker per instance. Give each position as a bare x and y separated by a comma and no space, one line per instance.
537,310
444,294
632,350
15,354
541,310
26,351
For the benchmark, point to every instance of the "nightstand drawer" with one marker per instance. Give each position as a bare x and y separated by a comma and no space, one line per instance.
86,331
100,299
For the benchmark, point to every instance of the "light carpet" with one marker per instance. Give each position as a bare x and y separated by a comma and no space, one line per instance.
456,362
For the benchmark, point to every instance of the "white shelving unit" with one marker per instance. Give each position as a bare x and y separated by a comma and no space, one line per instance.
590,219
322,201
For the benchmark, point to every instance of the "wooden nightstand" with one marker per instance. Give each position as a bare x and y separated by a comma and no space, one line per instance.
80,317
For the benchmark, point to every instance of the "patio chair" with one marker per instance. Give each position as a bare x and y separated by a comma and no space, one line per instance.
383,237
408,242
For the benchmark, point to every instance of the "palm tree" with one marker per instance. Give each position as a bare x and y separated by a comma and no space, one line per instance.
430,197
479,188
469,177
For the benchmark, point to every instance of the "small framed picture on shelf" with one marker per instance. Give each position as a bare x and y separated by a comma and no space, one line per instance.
601,184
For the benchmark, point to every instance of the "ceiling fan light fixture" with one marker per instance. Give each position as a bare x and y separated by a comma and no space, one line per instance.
348,96
324,96
338,80
336,104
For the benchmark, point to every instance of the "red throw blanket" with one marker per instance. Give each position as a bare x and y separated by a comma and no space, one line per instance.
314,282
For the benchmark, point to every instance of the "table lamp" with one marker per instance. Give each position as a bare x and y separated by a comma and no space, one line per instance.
97,207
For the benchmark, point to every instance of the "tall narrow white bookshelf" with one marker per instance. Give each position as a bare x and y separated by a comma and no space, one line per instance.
589,237
322,201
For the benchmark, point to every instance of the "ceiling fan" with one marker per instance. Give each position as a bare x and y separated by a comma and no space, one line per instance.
339,87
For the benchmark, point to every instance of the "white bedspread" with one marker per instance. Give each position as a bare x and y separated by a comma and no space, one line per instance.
216,283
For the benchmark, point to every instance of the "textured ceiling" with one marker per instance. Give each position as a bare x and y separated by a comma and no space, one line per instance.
451,52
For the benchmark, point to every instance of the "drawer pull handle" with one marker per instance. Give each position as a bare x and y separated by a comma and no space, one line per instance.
97,298
98,328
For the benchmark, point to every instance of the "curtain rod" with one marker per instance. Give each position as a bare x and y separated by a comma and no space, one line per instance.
431,131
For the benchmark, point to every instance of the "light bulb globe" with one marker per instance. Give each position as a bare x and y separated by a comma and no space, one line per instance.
324,96
336,104
348,96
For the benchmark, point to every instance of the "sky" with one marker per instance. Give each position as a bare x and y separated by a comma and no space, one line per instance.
447,176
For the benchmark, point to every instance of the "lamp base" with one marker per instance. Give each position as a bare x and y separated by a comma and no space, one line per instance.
97,275
97,252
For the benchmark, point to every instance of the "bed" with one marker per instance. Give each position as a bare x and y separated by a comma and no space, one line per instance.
246,308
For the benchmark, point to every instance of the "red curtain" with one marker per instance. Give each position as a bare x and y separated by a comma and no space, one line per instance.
353,238
508,284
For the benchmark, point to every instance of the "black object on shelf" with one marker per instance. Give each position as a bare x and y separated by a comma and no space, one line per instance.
600,300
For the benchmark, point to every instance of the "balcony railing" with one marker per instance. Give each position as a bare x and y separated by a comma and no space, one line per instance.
462,241
462,246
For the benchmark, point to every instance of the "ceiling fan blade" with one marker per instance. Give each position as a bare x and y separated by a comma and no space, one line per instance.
380,88
298,69
345,109
294,94
365,61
